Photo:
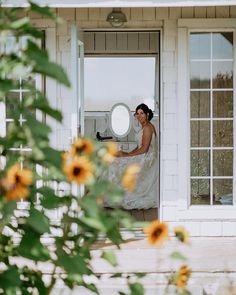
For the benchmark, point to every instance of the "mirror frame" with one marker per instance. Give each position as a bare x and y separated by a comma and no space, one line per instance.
110,120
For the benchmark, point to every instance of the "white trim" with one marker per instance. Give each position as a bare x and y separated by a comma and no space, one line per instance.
234,122
119,3
183,97
51,85
74,83
204,24
161,124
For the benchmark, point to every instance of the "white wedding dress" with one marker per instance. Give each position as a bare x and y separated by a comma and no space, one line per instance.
145,195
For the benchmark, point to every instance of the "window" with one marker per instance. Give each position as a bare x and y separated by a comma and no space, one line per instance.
111,80
211,118
16,98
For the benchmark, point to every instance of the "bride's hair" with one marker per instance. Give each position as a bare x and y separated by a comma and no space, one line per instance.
146,110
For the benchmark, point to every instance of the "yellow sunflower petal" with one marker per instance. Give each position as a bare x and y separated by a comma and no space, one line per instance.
17,193
17,175
82,146
108,153
130,177
157,232
80,170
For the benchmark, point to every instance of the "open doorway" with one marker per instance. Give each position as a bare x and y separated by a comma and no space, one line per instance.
121,67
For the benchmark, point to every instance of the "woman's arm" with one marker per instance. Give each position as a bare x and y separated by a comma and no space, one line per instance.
146,140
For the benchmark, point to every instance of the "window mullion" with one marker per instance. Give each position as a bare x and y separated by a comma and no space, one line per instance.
211,127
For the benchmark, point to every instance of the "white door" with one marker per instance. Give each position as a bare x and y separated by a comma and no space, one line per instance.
77,80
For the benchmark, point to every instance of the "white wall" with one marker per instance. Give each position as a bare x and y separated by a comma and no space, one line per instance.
165,19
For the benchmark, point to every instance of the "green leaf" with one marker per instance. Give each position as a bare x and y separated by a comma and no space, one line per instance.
136,289
7,211
90,206
52,156
44,11
140,274
10,278
94,223
19,23
122,293
185,292
49,200
109,256
31,247
5,86
37,128
73,264
38,221
117,275
42,64
178,255
42,104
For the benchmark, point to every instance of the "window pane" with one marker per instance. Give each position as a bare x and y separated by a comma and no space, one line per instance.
200,104
200,192
223,133
223,163
223,104
30,82
222,74
222,45
200,134
26,96
200,163
12,103
200,44
110,80
223,191
200,75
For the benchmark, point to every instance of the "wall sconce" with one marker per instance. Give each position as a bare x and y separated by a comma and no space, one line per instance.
116,18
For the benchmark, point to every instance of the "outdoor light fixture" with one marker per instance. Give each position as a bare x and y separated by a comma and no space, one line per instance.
116,18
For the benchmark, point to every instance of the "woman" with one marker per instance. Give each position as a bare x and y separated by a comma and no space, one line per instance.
145,155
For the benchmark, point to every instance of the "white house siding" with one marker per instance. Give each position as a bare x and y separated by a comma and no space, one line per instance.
208,252
165,19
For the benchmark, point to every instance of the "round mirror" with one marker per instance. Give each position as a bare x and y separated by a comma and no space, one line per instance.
120,120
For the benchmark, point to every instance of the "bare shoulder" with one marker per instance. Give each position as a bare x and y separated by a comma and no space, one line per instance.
149,128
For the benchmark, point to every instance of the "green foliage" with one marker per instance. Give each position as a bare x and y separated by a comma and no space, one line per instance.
29,233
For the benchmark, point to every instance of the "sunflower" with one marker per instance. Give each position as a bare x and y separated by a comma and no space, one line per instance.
108,152
82,145
16,175
130,176
16,183
79,170
182,277
181,234
17,192
157,232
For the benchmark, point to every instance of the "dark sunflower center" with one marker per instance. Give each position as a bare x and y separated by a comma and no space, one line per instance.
17,178
80,149
76,171
157,232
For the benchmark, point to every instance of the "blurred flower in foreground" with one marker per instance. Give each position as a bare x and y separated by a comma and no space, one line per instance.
182,276
108,152
16,183
157,232
130,177
79,169
181,234
82,145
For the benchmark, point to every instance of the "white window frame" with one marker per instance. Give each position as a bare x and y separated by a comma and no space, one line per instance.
186,211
